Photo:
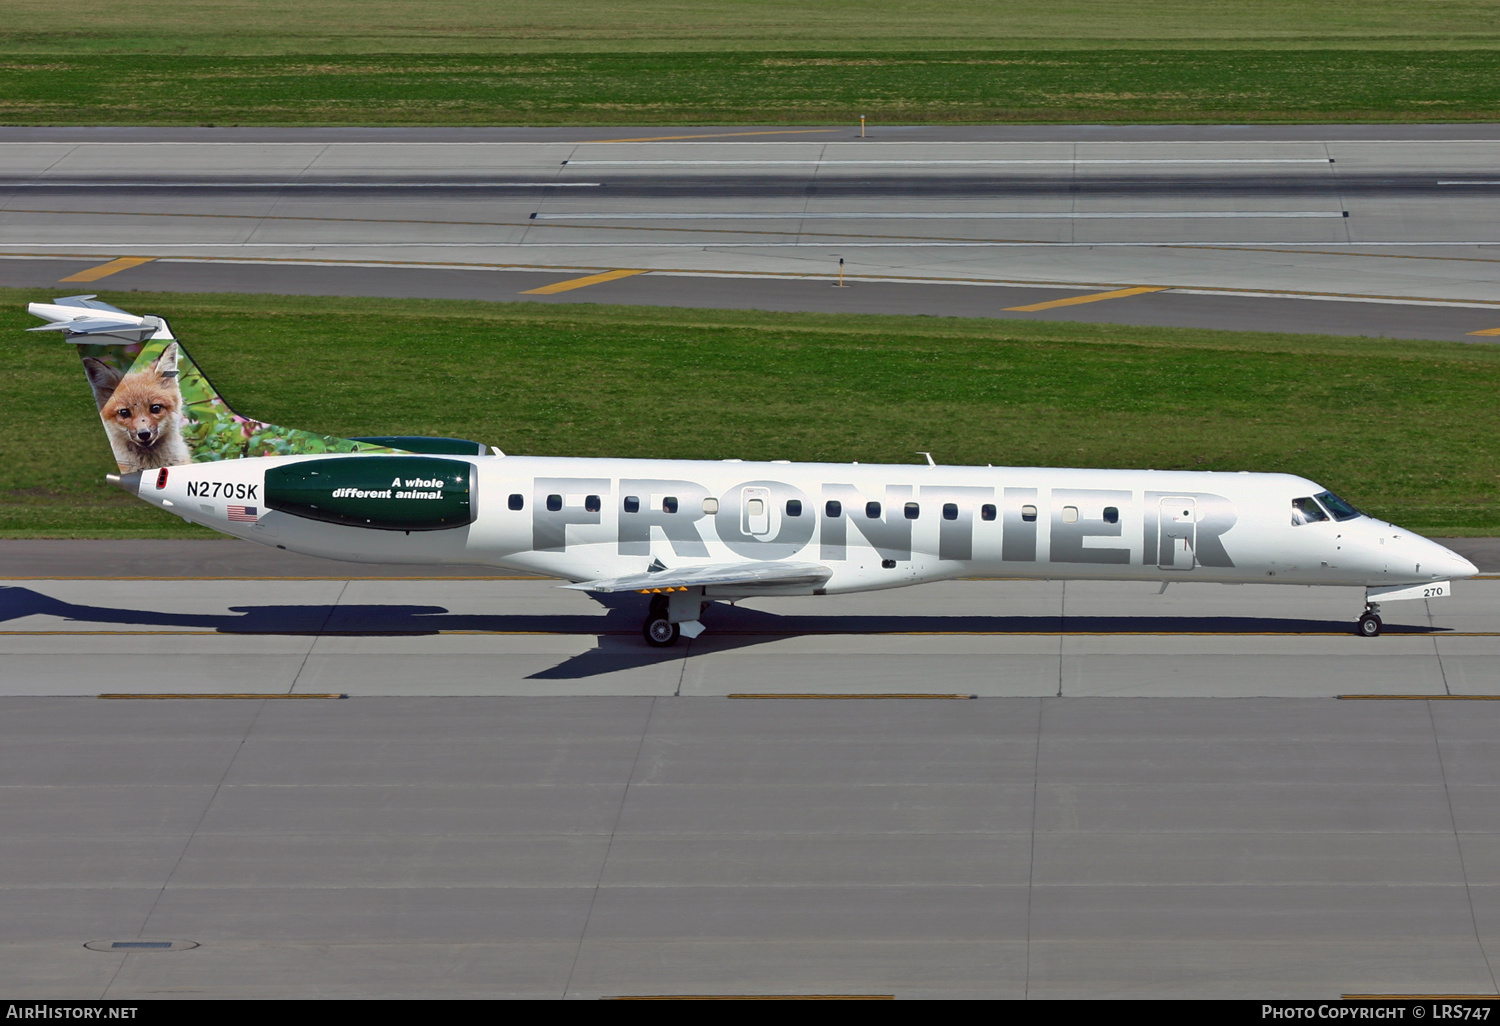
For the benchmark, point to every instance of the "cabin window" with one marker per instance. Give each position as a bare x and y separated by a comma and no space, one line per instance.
794,507
591,503
517,501
1111,515
1028,513
987,511
554,503
1306,511
632,504
710,506
872,510
833,509
669,504
1070,514
912,511
950,511
756,507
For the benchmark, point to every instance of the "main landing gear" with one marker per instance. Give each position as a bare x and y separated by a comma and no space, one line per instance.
1369,624
674,614
658,631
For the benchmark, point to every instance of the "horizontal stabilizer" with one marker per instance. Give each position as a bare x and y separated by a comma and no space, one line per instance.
766,574
85,315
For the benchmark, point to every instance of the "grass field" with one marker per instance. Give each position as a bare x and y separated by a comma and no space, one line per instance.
756,88
290,27
661,62
1398,427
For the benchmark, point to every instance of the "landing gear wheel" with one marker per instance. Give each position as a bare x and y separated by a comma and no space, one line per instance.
1369,626
659,632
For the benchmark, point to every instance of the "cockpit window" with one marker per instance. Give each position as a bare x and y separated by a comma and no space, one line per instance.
1306,511
1340,509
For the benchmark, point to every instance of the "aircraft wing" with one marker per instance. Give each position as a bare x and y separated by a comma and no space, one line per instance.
769,573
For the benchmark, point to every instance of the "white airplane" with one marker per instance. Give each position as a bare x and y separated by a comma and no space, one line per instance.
689,532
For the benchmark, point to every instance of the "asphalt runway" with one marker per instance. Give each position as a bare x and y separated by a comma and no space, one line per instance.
1377,232
1157,796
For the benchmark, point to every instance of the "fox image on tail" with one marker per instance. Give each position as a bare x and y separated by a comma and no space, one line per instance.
142,412
157,407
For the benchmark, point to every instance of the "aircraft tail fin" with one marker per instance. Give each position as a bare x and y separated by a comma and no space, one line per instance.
158,409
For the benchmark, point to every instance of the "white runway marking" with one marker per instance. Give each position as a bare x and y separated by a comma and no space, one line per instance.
1050,215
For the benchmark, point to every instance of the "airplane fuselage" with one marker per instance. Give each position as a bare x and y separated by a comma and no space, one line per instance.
873,526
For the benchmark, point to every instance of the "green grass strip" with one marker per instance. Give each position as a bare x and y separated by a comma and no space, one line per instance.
1401,428
940,86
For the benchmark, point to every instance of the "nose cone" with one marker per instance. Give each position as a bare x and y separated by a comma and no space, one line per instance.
1441,562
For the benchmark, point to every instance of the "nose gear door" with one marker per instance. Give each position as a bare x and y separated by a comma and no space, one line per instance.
1177,536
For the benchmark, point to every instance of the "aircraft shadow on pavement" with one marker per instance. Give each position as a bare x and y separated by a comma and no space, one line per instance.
619,644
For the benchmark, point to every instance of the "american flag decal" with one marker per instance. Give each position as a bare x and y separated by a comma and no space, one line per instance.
246,514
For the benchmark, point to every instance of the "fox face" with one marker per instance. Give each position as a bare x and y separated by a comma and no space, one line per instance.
141,415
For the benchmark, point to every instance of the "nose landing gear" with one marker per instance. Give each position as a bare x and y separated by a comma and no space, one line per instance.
1369,624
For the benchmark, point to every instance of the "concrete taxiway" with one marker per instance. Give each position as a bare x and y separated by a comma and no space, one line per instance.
1369,232
494,636
520,799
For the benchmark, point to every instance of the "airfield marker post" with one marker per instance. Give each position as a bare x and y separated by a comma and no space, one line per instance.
861,126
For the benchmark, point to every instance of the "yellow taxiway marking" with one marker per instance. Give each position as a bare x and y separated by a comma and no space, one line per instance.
579,283
105,270
716,135
1419,698
1092,298
700,272
1486,331
1420,997
195,694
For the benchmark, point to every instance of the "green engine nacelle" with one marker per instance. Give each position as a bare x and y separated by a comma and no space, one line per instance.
386,493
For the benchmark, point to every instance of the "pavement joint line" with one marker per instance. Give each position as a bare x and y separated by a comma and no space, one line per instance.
749,997
1419,698
248,696
1349,297
1418,997
304,184
863,144
936,215
216,632
864,695
1094,298
976,161
579,283
105,270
